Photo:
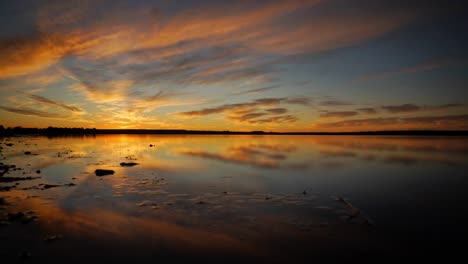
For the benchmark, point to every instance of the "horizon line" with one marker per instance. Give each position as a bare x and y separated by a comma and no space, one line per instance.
93,131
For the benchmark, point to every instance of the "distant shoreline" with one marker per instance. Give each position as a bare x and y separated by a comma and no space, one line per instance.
53,131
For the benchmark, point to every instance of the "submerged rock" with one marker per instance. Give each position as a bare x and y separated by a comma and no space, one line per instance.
128,164
15,216
27,153
24,255
101,172
6,188
52,238
38,171
15,179
146,203
48,186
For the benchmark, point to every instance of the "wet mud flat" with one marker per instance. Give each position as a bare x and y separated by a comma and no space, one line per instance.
59,202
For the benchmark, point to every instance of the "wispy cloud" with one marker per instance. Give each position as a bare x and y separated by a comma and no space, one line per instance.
422,122
45,100
338,114
404,108
409,108
254,112
335,103
33,112
258,90
425,66
240,106
367,110
277,111
276,120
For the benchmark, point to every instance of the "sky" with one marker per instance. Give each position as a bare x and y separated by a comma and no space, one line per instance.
299,65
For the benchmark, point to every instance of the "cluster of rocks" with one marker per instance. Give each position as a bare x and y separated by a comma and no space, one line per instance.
18,217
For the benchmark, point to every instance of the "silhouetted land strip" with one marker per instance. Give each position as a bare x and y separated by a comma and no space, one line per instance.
55,131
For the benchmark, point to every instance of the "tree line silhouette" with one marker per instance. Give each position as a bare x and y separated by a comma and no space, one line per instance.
73,131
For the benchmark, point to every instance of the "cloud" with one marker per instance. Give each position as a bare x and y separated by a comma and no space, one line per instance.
410,108
129,35
45,100
423,122
248,117
439,121
251,112
404,108
367,110
276,120
298,100
362,122
335,103
258,90
29,54
425,66
277,110
241,106
444,106
328,114
32,112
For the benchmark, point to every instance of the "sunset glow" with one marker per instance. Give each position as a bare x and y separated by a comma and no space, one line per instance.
313,65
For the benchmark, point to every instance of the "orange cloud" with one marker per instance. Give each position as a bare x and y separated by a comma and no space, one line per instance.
25,55
33,112
425,66
404,108
45,100
455,122
341,114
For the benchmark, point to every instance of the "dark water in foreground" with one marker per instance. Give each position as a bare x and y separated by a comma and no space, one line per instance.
239,198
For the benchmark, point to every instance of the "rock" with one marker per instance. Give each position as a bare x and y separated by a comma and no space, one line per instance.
27,153
52,238
128,164
146,203
6,188
101,172
28,219
24,254
324,224
9,144
48,186
4,223
151,145
15,216
38,171
15,179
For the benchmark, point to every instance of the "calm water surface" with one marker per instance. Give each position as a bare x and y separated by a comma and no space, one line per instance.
262,198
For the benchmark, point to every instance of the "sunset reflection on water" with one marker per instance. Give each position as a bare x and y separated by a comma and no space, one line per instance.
242,196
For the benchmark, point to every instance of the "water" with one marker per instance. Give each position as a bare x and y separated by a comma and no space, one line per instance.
262,198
